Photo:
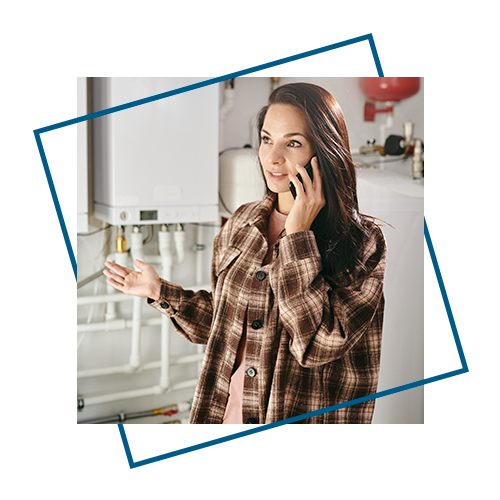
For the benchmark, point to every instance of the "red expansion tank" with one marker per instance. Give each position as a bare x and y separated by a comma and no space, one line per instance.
390,89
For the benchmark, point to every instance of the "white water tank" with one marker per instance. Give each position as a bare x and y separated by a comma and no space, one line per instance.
240,179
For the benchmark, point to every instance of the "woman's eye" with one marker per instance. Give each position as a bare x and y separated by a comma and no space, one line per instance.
265,139
295,144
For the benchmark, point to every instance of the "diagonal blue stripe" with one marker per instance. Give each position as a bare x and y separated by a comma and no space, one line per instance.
351,403
150,99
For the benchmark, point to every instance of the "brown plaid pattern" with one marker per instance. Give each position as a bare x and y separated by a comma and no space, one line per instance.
312,340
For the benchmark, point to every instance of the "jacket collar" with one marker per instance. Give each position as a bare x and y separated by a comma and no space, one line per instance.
257,217
261,213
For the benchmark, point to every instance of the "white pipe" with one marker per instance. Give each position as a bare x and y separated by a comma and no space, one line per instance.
121,297
119,396
152,259
99,372
137,253
136,247
223,112
199,255
97,299
165,247
179,360
200,348
165,353
116,324
122,259
166,254
110,314
135,349
180,245
186,384
148,391
152,365
383,135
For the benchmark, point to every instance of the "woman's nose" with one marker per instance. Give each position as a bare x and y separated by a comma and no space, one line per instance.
275,155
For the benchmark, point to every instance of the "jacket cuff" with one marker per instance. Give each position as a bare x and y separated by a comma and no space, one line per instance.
298,246
169,299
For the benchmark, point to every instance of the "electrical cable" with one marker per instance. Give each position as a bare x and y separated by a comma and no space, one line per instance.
90,278
96,286
149,237
94,232
97,274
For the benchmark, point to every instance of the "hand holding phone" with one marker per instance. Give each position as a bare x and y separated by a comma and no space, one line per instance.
308,168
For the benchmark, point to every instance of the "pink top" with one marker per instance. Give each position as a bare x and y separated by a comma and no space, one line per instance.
234,408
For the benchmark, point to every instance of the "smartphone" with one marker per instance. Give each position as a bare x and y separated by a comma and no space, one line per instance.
309,170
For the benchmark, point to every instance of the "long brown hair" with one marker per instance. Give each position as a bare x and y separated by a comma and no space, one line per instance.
339,227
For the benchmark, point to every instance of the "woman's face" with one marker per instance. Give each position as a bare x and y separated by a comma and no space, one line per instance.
284,143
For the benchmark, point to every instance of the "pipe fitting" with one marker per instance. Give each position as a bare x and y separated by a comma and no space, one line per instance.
134,364
408,131
159,389
418,163
164,383
121,243
184,406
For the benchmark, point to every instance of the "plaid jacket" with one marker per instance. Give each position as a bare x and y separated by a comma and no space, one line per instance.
313,340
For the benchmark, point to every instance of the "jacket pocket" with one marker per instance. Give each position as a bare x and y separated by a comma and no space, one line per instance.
227,259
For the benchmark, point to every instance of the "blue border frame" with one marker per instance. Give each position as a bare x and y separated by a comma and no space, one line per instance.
443,58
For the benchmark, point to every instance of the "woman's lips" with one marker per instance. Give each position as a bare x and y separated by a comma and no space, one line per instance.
277,175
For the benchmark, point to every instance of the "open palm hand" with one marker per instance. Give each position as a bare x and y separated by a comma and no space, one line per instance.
144,283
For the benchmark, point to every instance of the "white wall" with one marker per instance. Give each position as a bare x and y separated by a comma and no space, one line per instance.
82,199
112,348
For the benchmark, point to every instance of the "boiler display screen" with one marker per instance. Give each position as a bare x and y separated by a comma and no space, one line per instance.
149,214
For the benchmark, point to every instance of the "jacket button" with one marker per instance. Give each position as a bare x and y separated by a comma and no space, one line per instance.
251,372
261,275
251,421
256,324
164,305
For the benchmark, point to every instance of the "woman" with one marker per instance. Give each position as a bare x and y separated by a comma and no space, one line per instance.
294,320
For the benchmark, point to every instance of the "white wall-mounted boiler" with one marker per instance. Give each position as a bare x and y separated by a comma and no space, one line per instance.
157,162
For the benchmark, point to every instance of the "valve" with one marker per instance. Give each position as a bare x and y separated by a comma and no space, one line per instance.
121,243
